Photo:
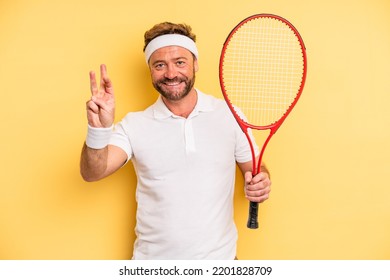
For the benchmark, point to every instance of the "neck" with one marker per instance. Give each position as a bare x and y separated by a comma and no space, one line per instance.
184,106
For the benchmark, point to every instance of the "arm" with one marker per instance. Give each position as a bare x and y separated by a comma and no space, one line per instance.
258,187
97,163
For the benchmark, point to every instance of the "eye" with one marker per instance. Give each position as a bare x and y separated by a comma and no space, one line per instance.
180,63
159,66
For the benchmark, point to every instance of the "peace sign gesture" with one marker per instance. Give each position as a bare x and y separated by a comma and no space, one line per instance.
101,106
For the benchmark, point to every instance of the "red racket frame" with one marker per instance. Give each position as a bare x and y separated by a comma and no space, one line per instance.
252,221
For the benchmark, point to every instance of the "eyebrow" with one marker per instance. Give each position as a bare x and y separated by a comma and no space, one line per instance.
174,59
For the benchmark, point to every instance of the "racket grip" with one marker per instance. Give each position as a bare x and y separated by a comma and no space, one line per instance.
253,213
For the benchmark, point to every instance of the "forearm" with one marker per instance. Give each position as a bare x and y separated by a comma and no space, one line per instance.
247,166
93,163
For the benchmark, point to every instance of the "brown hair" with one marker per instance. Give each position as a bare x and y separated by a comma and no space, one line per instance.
168,28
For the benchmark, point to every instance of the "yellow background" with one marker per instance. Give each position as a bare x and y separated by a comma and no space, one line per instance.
330,160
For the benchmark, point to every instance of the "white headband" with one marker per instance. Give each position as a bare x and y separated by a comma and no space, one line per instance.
170,40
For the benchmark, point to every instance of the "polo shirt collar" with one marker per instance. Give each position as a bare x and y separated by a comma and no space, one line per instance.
203,104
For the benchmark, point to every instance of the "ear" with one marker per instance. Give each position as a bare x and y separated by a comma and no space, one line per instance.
196,65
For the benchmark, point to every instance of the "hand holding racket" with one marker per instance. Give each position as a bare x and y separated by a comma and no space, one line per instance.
262,72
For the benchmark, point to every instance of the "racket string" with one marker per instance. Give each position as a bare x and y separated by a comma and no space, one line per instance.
262,69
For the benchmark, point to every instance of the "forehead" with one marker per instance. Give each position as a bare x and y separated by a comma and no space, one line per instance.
169,53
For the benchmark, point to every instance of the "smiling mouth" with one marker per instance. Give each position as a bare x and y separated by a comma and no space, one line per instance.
172,83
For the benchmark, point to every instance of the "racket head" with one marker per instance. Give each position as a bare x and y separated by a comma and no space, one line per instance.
262,71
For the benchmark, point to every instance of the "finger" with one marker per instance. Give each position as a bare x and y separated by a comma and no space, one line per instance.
101,103
92,106
259,178
103,70
255,187
248,177
105,81
258,196
258,192
103,73
108,88
258,186
93,85
258,199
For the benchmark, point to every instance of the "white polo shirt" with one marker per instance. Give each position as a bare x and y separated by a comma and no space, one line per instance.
186,172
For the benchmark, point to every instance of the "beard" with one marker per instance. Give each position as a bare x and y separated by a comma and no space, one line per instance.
162,86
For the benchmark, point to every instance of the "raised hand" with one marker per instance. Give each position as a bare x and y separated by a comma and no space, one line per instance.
101,106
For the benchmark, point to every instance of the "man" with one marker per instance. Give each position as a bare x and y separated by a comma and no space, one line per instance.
184,148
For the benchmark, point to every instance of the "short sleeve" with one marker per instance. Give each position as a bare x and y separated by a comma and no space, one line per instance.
121,139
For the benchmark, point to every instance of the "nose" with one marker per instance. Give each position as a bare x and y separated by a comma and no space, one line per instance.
171,71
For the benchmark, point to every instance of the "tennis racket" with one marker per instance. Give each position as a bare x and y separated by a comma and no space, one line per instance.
262,72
